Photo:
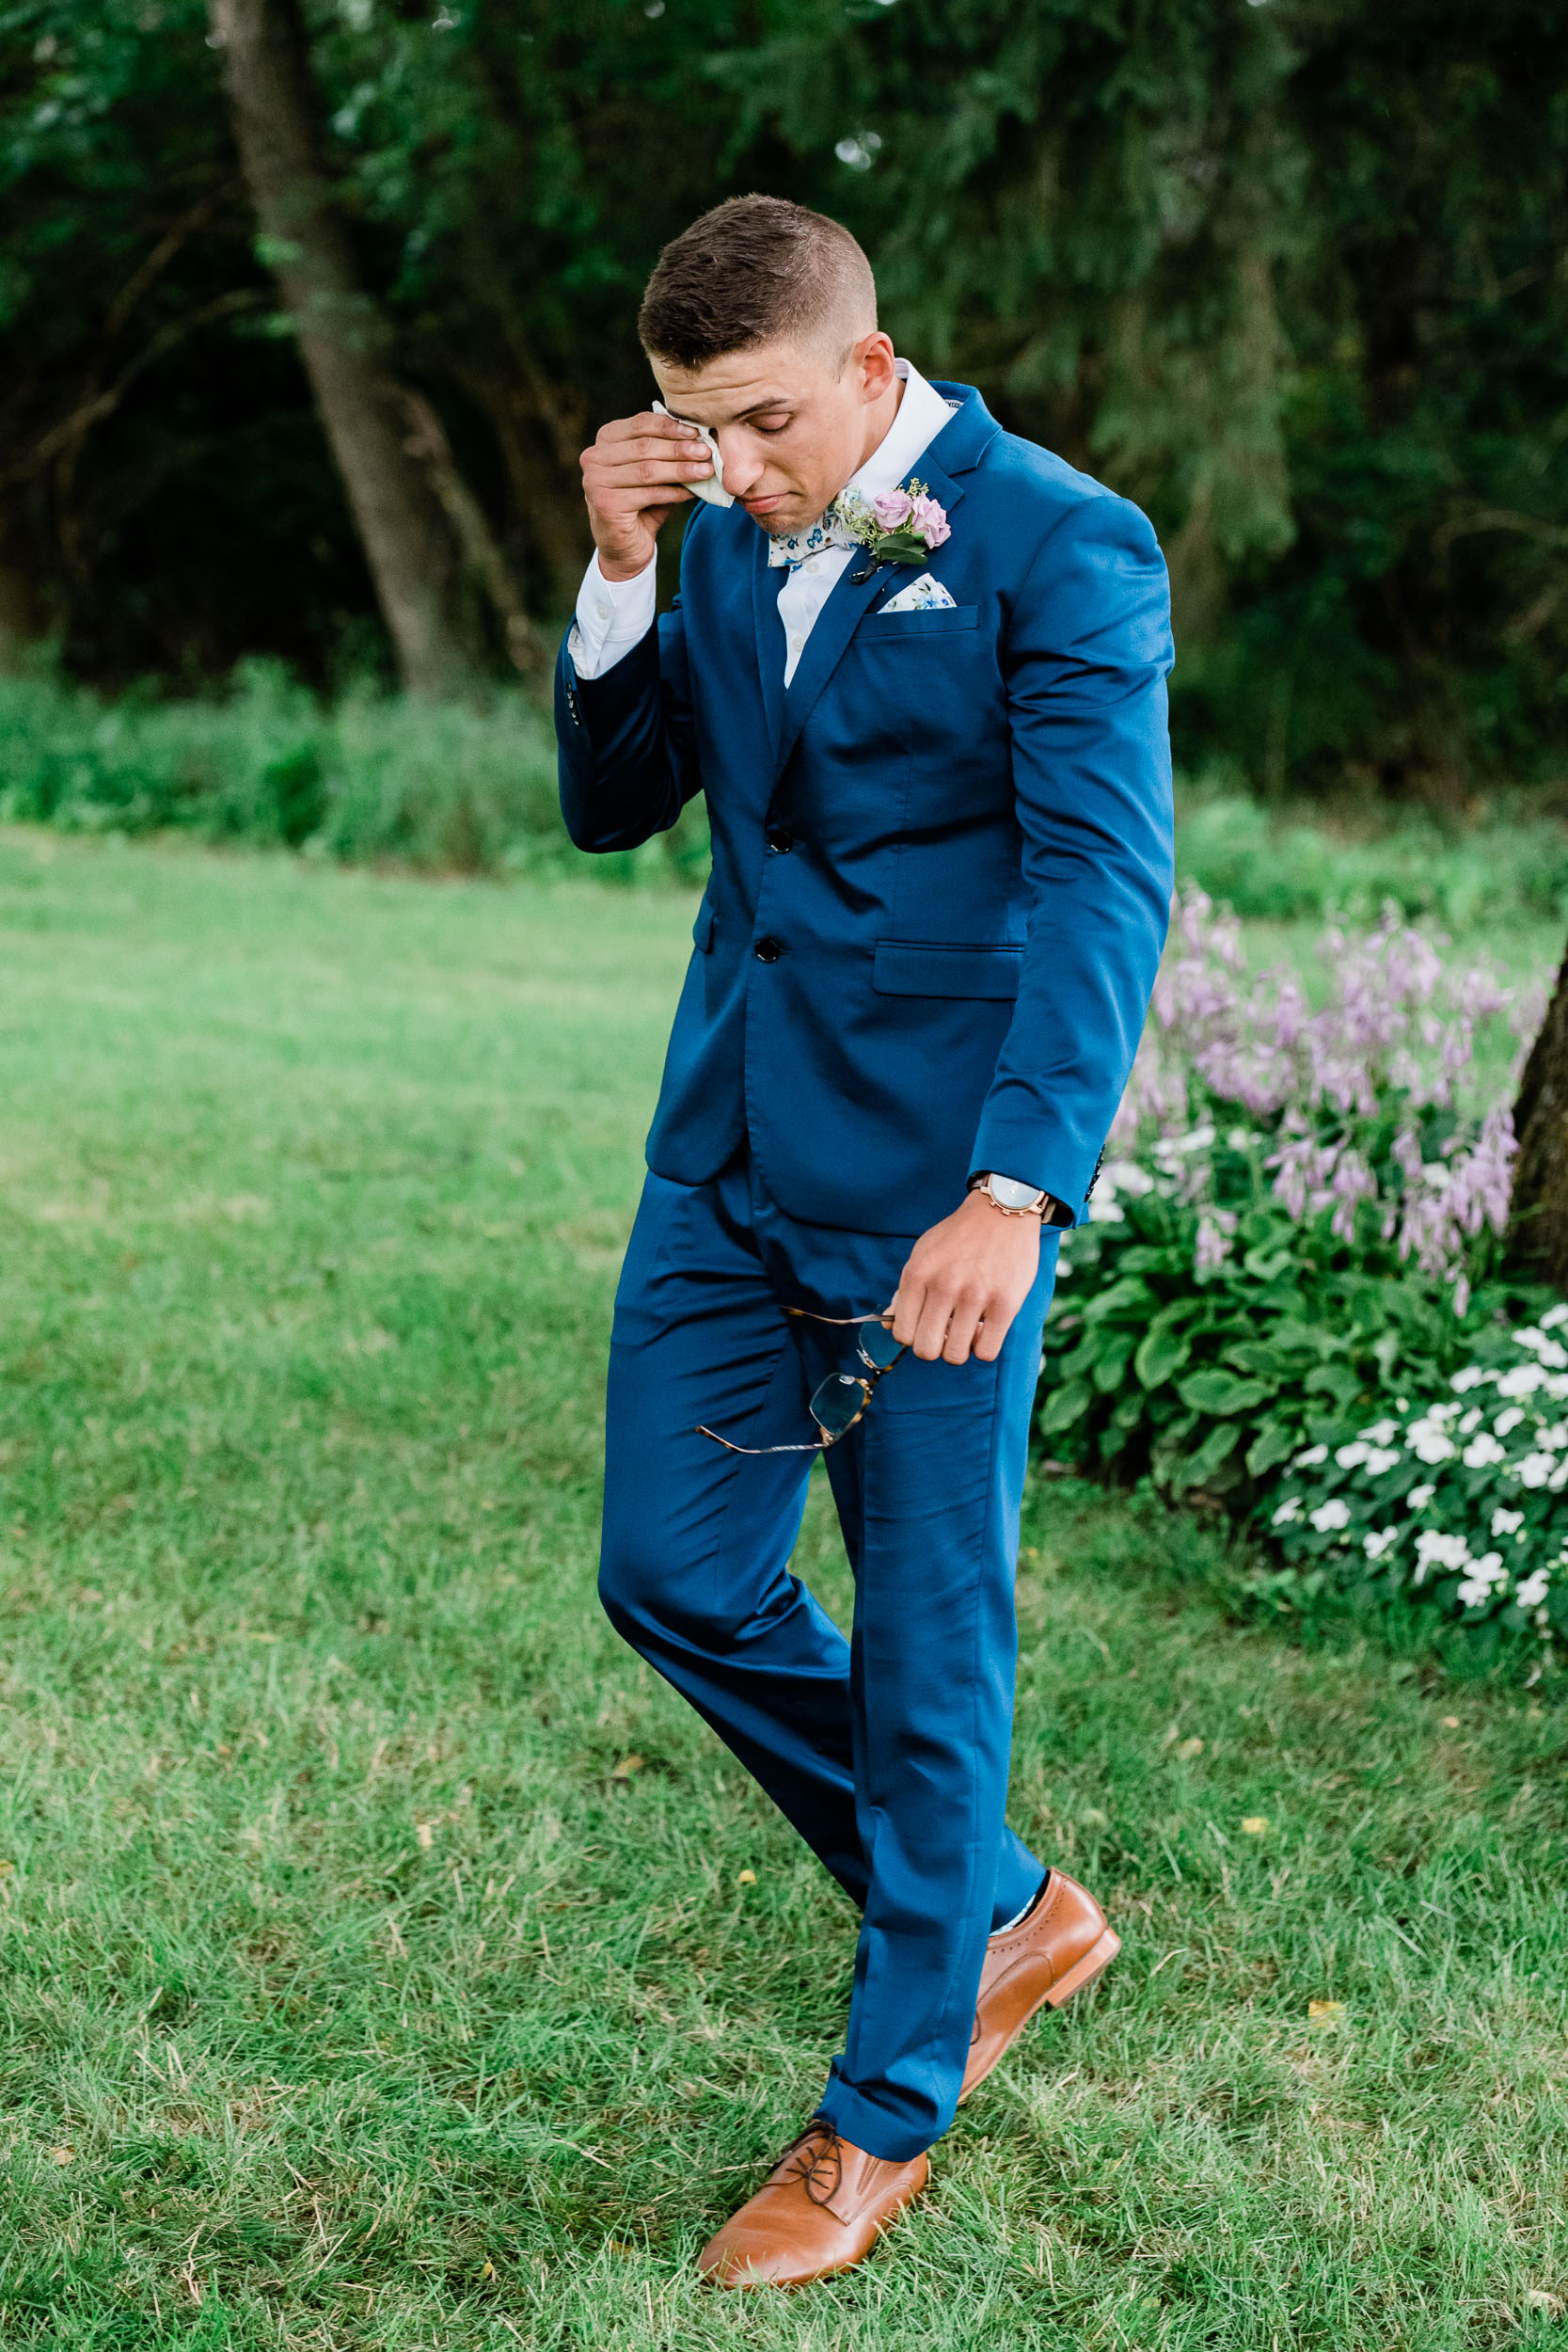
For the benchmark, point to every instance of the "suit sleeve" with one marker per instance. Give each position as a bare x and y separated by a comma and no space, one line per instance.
1086,653
626,745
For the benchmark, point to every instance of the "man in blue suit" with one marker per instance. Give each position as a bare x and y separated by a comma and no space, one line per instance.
917,668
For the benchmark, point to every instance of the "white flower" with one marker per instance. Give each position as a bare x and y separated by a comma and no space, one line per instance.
1446,1552
1551,1441
1125,1176
1382,1433
1104,1211
1351,1457
1289,1511
1174,1147
1381,1458
1309,1460
1534,1470
1443,1412
1556,1385
1377,1543
1419,1497
1485,1573
1331,1515
1471,1421
1511,1420
1506,1522
1428,1444
1553,1318
1532,1589
1242,1140
1522,1381
1559,1479
1482,1451
1545,1351
1471,1377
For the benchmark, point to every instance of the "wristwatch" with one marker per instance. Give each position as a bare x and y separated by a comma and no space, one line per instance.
1015,1199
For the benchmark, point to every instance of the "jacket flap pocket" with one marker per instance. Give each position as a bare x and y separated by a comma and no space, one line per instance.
925,620
907,967
702,929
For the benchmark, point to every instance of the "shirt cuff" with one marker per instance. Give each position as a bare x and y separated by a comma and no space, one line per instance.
612,616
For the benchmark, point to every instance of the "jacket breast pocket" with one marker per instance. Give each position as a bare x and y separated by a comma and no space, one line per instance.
910,967
933,620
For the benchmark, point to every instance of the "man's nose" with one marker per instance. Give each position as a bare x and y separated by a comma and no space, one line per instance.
743,463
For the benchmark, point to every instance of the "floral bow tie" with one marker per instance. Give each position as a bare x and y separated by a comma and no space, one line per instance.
897,526
794,547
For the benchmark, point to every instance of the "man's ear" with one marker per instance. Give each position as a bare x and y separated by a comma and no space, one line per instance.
872,359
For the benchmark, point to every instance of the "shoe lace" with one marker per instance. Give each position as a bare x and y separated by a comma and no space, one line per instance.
816,2160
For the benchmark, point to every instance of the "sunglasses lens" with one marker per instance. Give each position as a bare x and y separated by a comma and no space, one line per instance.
878,1342
837,1404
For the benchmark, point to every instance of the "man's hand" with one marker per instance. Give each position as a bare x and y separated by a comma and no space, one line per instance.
636,470
965,1280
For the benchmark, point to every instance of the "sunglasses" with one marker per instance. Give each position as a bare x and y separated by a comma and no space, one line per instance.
840,1401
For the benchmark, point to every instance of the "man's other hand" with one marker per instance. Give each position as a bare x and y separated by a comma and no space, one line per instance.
964,1281
636,472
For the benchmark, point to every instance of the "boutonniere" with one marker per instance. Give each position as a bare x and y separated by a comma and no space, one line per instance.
896,526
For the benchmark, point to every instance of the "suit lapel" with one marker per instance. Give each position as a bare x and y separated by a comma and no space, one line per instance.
842,614
769,629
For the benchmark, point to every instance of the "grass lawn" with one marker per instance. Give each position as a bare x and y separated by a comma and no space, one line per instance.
390,1960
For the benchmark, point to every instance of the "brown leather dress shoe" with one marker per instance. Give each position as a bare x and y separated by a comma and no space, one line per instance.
1062,1945
820,2211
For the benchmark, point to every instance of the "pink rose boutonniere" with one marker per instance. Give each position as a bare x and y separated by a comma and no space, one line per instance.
896,526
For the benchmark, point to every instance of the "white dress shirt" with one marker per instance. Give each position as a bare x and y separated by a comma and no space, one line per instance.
612,615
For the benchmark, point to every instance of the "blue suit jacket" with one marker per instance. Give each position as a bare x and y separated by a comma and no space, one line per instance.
942,861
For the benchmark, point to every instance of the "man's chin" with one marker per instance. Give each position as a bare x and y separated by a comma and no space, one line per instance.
777,516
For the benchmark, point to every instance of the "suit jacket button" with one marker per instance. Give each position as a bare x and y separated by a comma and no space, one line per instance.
768,950
780,842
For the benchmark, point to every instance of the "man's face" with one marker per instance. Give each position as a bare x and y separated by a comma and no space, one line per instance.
790,430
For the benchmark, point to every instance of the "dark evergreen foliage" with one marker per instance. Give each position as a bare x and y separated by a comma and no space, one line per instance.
1290,273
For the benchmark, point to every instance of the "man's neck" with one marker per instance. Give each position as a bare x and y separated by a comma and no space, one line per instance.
878,422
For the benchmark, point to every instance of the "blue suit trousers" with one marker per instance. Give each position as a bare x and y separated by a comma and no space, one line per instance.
888,1752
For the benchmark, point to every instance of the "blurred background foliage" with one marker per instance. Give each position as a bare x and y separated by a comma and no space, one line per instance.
1293,276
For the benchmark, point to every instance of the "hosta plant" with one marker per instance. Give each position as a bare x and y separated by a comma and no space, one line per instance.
1303,1199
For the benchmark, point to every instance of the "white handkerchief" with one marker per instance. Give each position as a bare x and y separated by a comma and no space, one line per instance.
713,488
924,595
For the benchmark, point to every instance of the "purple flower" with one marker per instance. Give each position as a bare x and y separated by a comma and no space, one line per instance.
1393,1028
930,520
893,508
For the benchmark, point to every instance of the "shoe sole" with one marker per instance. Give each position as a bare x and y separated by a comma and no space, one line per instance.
1096,1959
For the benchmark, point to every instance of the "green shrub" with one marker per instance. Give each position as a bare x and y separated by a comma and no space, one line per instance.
1211,1377
446,788
1302,1237
1273,868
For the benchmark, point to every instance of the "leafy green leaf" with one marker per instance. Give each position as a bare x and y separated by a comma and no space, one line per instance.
1275,1443
1222,1392
1217,1448
1065,1405
1164,1349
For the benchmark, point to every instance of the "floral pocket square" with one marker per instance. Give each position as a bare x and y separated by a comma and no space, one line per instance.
924,595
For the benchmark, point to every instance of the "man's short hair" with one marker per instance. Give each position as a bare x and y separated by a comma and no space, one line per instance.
757,270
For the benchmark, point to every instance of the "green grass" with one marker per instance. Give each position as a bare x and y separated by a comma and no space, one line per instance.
362,1989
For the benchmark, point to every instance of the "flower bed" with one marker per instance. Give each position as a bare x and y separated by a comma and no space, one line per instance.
1295,1246
1461,1497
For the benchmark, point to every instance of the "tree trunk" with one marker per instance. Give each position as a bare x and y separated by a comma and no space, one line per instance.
344,341
1538,1215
